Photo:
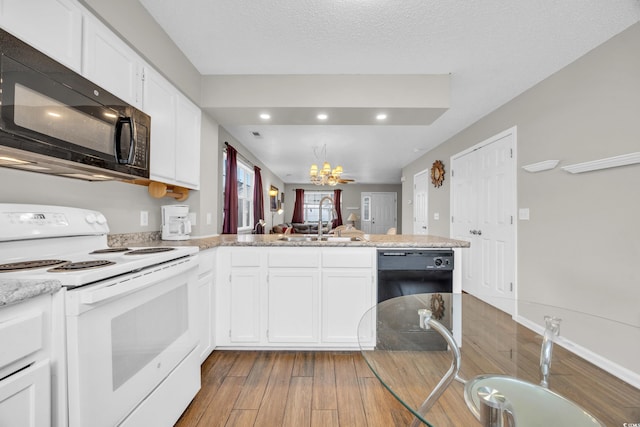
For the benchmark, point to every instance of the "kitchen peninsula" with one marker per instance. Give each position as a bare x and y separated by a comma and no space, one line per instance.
271,293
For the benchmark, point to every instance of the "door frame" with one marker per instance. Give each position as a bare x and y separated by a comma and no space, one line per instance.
425,172
514,171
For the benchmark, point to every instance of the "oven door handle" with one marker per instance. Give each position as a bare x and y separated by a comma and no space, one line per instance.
136,281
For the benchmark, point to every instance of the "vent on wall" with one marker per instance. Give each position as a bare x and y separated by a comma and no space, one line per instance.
256,134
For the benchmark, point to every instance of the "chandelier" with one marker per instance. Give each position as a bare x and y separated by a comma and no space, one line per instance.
326,175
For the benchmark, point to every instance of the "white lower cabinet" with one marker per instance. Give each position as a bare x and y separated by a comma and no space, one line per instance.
293,308
25,367
206,303
346,295
25,397
293,297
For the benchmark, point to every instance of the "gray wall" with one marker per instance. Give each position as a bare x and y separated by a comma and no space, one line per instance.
581,247
350,198
268,178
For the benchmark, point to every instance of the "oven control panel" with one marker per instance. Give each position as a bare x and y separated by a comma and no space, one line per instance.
21,222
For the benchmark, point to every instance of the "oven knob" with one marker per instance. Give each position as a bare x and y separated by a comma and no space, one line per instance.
90,218
101,219
437,262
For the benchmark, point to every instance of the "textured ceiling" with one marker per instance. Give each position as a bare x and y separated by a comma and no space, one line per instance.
494,50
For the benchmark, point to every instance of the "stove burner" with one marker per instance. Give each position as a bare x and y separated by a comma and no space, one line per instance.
109,250
27,265
149,251
82,265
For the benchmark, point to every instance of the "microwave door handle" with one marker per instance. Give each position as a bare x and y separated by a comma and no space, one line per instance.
132,141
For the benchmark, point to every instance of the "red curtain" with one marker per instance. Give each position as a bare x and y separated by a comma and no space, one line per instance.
298,207
336,204
258,201
230,221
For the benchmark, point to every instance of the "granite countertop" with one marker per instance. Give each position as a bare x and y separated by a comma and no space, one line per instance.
13,291
272,240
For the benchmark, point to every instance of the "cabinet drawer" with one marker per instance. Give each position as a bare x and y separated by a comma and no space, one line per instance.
294,258
206,261
25,333
347,258
245,258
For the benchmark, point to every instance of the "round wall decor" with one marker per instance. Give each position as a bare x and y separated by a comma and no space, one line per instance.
437,173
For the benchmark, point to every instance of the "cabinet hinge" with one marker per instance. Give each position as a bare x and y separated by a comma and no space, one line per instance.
451,219
451,173
511,219
229,333
511,286
229,277
267,333
511,152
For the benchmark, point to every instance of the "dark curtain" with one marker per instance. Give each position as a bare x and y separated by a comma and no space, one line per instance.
298,207
230,221
336,203
258,201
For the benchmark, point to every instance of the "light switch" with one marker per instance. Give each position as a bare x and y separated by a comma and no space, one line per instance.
436,215
208,218
523,214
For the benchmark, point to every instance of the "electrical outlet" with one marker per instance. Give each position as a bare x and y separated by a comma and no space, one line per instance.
436,216
144,218
208,218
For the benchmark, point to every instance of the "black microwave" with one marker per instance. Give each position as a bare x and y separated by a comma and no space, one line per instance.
54,121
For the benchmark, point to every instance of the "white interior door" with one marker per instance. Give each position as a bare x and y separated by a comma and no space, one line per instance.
421,202
378,212
483,207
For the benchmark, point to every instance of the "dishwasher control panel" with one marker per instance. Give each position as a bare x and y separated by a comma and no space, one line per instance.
414,259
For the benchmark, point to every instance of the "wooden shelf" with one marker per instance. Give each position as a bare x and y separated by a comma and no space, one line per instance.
159,190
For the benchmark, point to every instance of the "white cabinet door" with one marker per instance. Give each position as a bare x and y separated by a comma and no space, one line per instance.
160,104
346,295
54,27
25,397
175,132
245,306
188,117
206,303
293,305
111,63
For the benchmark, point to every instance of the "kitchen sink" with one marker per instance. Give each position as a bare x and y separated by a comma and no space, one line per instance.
304,238
314,238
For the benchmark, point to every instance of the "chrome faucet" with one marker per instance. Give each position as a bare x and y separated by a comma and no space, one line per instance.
552,329
320,213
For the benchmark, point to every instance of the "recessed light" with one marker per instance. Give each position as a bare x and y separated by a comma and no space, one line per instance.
381,116
322,116
265,116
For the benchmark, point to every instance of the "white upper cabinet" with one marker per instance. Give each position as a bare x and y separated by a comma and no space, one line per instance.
188,122
175,132
111,63
54,27
160,104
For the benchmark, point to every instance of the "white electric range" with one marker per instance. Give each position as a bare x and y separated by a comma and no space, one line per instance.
128,322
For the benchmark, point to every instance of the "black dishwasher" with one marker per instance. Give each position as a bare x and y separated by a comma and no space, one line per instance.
426,275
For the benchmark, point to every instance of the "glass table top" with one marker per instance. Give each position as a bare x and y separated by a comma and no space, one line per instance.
499,353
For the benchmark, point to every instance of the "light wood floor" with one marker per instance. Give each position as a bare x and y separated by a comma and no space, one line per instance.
251,388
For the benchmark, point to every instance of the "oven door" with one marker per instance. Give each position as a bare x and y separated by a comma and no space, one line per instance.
124,337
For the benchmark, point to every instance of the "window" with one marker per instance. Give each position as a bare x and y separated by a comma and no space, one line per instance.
311,202
245,193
